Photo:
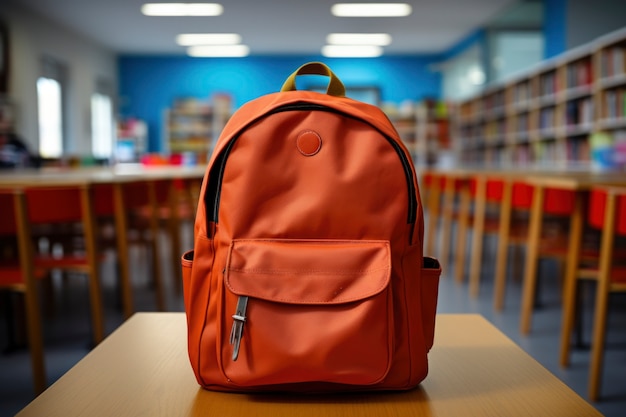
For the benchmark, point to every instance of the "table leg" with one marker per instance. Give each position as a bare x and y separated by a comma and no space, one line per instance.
461,244
174,226
121,227
448,213
570,284
33,314
154,232
602,297
95,293
477,235
434,205
532,257
503,246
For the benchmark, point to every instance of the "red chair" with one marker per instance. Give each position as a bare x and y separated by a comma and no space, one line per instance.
486,194
440,191
607,212
557,207
17,273
134,207
28,214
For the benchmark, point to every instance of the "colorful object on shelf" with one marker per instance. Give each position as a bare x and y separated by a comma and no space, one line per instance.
602,152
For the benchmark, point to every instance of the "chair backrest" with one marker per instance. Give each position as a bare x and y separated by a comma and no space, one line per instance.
60,204
556,201
136,195
597,205
494,188
45,205
7,213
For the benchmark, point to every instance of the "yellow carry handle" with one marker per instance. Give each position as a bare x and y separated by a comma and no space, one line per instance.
335,86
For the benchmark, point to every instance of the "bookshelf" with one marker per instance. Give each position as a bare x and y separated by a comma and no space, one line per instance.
562,113
424,127
131,141
192,126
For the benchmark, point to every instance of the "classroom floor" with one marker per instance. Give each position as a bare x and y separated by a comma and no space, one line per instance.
67,333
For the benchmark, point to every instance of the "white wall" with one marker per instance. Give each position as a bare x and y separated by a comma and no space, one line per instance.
31,37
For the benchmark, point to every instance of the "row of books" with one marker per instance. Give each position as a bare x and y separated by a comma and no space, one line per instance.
522,92
547,118
579,112
579,73
613,61
614,104
548,84
572,153
495,101
601,151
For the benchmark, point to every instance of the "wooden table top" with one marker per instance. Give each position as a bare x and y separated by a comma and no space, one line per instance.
143,369
96,175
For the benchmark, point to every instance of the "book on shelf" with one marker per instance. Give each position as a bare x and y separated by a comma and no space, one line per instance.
522,92
578,150
615,103
613,61
579,112
579,74
546,118
548,84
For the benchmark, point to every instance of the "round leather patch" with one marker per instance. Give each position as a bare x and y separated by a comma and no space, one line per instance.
309,143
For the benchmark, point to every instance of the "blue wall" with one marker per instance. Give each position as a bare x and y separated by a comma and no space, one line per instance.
555,27
150,84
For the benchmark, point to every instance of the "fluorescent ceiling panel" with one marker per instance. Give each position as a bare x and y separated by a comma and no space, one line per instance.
380,39
188,39
371,9
352,51
182,9
231,51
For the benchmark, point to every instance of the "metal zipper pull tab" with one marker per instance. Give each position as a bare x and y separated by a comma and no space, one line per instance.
239,318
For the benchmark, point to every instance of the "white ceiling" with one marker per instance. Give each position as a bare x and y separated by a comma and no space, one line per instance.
268,26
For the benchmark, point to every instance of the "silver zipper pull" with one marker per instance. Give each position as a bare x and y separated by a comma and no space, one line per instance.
239,318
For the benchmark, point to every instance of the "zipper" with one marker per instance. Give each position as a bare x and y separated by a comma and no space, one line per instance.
215,179
239,319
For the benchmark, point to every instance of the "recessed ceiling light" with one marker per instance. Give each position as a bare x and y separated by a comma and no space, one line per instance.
371,9
182,9
352,51
381,39
188,39
230,51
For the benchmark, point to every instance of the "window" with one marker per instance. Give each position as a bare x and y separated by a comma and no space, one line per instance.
101,126
515,51
464,75
50,117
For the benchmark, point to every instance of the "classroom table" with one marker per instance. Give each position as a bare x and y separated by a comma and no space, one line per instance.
116,176
457,183
580,183
143,369
84,180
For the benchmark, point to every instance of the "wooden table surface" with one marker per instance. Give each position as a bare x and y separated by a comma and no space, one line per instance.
120,173
142,369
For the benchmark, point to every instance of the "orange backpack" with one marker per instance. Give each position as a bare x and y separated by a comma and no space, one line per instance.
307,272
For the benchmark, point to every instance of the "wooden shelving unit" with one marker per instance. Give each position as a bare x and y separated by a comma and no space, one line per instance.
192,126
424,130
550,115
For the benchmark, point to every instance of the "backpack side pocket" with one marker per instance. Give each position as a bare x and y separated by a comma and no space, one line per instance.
431,271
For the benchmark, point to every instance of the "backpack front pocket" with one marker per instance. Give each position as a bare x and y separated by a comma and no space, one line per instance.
306,311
